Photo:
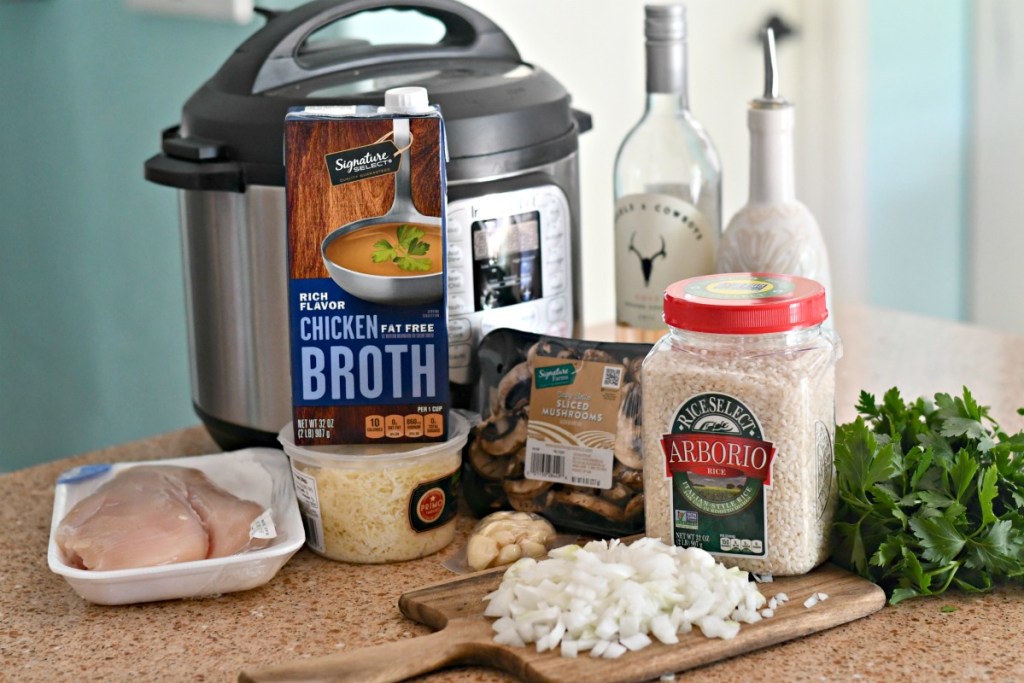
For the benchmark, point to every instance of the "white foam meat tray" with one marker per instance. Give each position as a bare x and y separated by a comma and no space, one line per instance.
262,475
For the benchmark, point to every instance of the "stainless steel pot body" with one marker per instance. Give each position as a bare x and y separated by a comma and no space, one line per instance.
234,249
234,256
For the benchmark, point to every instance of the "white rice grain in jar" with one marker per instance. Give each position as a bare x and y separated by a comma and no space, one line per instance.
370,503
738,421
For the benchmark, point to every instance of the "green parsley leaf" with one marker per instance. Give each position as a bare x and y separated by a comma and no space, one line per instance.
931,495
901,594
961,426
887,553
938,536
407,233
914,572
866,405
383,251
996,549
920,460
988,489
405,253
962,472
413,263
417,248
933,499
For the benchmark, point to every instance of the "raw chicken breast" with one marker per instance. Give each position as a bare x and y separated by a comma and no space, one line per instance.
155,515
141,518
227,518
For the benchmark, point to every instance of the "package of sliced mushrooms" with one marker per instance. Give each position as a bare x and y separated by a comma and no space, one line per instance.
561,432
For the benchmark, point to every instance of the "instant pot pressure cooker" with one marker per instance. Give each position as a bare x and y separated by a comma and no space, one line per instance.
513,192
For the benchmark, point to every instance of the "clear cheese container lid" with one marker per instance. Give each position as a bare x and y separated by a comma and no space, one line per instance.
367,503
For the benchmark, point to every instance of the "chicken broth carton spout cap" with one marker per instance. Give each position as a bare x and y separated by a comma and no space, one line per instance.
367,245
409,100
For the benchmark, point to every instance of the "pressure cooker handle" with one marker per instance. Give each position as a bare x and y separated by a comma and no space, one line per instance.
468,34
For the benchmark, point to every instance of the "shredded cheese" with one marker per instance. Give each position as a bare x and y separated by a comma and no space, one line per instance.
365,510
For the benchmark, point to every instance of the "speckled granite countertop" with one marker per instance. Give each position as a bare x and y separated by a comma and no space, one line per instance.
314,606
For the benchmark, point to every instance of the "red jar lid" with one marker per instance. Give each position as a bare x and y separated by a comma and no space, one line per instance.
745,303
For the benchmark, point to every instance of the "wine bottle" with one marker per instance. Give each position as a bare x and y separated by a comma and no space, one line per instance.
667,185
774,232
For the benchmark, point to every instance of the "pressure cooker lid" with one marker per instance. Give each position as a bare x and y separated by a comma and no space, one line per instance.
494,104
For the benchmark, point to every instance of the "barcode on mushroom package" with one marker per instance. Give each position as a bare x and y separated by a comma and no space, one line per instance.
545,464
561,432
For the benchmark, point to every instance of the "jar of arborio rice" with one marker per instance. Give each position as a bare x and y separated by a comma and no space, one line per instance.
738,421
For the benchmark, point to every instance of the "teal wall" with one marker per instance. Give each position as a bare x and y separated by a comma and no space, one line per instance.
92,323
918,123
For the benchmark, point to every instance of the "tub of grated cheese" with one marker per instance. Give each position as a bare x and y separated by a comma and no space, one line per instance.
369,503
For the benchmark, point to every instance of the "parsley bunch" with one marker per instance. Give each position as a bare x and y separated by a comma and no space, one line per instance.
408,254
931,495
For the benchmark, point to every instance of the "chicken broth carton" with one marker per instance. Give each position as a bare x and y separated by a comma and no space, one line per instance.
367,282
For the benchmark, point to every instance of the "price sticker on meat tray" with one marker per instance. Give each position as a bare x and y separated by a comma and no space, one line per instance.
572,428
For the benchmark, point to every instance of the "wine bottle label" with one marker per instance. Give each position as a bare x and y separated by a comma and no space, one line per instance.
659,239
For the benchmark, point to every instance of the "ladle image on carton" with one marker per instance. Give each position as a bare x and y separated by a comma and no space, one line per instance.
395,259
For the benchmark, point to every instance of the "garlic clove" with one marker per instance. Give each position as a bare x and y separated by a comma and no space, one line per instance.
481,551
509,554
533,548
503,536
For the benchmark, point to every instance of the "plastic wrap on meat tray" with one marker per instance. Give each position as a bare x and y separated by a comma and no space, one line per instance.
561,432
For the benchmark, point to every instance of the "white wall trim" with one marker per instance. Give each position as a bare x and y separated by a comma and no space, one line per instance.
995,241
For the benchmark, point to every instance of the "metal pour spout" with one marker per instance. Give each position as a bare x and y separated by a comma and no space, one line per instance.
771,66
770,99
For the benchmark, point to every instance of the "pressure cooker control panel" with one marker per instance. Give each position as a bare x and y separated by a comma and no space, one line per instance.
509,265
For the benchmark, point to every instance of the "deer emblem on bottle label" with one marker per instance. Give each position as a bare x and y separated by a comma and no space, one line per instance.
659,239
647,262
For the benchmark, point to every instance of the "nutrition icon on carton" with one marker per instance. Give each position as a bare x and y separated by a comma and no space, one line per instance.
366,244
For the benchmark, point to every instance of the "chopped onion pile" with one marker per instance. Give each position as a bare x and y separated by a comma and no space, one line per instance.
609,598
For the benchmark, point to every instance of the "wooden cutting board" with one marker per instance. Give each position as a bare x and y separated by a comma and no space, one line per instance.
463,636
